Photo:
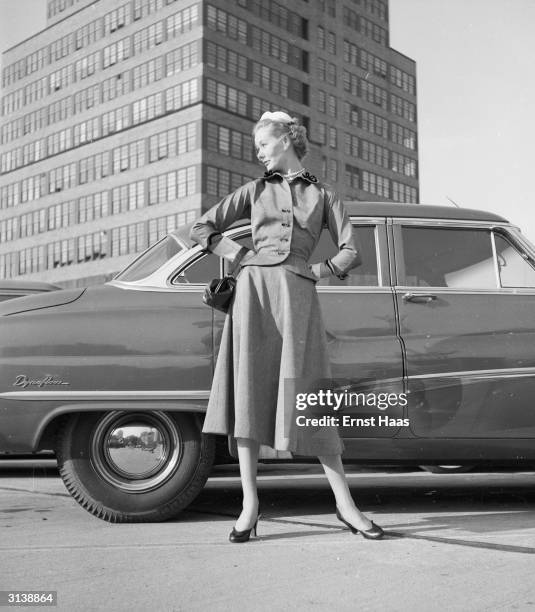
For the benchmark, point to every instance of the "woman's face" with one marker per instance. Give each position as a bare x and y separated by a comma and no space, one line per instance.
271,150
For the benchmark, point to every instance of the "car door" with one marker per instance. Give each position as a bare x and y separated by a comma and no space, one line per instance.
465,292
365,350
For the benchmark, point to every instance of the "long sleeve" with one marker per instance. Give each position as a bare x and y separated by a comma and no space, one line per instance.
341,231
207,230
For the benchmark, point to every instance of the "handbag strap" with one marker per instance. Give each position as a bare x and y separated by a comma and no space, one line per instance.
235,264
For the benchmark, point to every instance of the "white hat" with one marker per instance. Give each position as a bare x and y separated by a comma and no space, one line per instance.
277,116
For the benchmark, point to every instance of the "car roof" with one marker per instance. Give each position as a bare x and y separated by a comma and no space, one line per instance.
27,285
427,211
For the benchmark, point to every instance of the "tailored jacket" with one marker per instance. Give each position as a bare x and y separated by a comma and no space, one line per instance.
287,218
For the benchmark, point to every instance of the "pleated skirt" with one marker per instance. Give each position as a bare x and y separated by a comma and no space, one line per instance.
273,345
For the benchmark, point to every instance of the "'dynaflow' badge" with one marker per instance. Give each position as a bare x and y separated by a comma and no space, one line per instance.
24,381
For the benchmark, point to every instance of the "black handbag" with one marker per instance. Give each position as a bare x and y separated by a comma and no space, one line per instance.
219,293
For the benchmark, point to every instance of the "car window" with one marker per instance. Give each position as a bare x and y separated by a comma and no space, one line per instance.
201,271
150,260
446,257
513,268
366,273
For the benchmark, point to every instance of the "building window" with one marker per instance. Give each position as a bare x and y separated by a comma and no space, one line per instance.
375,154
221,21
93,207
181,95
116,52
225,60
403,164
351,83
373,183
147,108
173,185
322,101
182,58
219,182
272,46
331,43
403,136
174,142
268,78
374,124
351,114
404,193
351,145
332,170
403,80
226,141
87,131
403,108
92,246
116,120
352,178
116,19
183,21
279,15
226,97
374,94
115,86
333,138
148,37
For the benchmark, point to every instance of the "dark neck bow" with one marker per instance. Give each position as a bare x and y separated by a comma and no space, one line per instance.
304,175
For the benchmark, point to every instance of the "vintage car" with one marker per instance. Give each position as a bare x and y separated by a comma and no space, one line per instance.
115,378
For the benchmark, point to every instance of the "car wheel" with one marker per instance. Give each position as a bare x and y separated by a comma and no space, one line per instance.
447,469
126,467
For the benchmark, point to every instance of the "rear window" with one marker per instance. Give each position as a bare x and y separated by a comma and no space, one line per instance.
150,260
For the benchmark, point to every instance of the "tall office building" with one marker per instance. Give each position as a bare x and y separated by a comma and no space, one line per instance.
123,120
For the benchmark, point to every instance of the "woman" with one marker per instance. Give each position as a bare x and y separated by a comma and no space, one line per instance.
273,337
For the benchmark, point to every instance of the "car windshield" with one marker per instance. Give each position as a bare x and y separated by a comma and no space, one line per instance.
151,259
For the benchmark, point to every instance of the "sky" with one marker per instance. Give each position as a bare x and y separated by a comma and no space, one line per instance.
475,85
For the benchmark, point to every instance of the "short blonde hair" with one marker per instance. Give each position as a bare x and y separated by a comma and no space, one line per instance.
296,132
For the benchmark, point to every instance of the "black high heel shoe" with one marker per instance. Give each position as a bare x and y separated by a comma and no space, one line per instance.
375,533
236,536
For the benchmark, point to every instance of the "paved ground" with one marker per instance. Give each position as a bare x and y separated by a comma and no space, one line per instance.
455,542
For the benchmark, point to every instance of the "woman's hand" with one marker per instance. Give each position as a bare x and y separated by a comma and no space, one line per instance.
320,270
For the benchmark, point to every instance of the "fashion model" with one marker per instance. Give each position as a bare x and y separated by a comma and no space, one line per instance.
273,336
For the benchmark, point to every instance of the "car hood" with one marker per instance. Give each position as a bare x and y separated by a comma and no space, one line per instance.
43,300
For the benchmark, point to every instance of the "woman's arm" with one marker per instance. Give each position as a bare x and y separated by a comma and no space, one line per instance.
341,231
207,230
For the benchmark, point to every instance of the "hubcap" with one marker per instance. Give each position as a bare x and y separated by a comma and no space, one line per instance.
136,452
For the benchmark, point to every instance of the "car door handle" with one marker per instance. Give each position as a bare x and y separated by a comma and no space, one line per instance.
417,297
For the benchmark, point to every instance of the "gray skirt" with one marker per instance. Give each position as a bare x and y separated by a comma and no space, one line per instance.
273,344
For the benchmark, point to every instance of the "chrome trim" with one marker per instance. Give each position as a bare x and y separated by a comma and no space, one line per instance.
369,220
354,289
464,290
495,260
469,223
378,257
478,374
103,395
523,241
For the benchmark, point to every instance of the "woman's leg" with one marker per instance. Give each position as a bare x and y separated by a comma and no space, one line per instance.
248,459
334,470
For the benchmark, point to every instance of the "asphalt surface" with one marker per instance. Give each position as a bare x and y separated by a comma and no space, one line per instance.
454,542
